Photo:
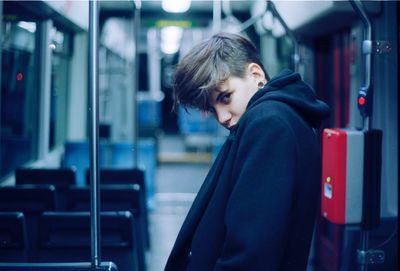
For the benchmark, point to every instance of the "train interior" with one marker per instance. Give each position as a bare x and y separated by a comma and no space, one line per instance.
151,160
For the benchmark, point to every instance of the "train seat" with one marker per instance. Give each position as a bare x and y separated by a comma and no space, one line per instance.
133,176
61,178
66,237
119,176
76,154
29,199
13,237
122,157
32,200
113,155
116,198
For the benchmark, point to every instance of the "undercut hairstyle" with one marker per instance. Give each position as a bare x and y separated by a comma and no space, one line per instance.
210,63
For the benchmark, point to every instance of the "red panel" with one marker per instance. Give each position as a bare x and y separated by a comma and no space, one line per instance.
334,152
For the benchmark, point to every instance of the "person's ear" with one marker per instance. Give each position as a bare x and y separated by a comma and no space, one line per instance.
256,71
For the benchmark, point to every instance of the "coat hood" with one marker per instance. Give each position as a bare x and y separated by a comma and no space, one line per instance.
289,88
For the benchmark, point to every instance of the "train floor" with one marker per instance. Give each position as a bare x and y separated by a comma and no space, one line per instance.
177,182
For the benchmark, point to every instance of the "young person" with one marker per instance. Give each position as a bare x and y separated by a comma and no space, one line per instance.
257,206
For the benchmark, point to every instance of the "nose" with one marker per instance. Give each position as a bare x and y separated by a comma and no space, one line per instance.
223,116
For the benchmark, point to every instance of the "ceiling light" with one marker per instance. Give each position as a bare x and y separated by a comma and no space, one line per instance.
175,6
170,39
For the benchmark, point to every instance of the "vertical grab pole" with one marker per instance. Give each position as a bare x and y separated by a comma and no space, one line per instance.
94,132
296,53
136,36
372,150
364,95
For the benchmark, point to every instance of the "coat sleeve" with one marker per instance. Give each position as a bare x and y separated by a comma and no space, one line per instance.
258,211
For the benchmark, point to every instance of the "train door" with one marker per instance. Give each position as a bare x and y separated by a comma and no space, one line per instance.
339,76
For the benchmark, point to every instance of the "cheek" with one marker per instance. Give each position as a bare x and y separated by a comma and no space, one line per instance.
246,98
241,105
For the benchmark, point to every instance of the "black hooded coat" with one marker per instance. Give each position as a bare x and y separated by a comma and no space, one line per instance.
257,206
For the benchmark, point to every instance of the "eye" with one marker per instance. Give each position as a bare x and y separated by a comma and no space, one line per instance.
225,97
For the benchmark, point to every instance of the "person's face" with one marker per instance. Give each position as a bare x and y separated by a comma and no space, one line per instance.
229,102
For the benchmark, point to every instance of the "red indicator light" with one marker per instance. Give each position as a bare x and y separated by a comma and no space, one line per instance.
361,101
19,76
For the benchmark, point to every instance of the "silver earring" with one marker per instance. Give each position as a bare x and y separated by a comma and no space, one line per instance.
260,84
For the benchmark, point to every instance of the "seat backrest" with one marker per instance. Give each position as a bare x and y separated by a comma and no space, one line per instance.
125,176
122,157
13,237
66,237
119,176
117,198
29,199
32,200
113,198
77,154
59,177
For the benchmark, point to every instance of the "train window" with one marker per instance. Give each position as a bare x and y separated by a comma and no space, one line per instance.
59,86
19,103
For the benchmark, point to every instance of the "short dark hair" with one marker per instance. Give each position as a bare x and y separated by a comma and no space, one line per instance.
210,63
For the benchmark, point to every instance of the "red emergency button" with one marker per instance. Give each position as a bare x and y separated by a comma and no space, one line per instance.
361,101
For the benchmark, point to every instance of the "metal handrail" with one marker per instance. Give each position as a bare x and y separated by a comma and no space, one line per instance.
364,105
94,131
367,51
136,36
